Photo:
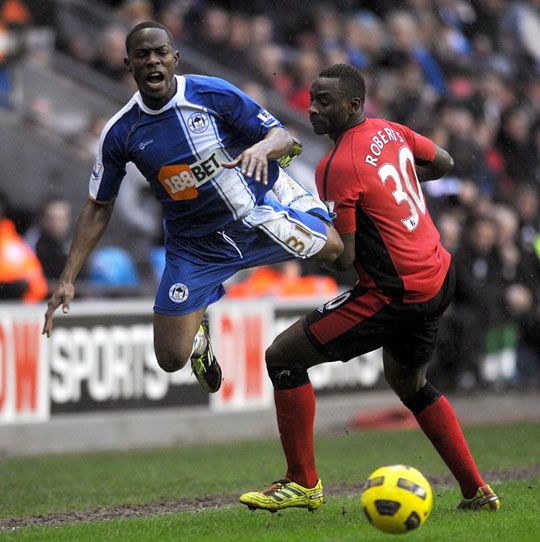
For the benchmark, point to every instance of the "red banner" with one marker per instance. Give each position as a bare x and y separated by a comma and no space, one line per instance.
23,370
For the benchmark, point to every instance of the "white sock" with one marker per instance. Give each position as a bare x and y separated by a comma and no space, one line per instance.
199,344
291,193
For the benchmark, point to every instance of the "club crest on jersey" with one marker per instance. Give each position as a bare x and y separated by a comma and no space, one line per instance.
198,122
178,292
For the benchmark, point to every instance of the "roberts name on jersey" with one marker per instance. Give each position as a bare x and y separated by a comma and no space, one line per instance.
379,140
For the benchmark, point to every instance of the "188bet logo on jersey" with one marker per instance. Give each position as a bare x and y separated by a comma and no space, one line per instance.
181,180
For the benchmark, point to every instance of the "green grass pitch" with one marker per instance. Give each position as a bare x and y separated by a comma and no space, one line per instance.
70,486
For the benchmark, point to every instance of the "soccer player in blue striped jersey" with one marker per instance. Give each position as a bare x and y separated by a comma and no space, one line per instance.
210,154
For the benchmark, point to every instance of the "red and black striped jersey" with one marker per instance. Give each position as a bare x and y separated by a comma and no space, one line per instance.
369,180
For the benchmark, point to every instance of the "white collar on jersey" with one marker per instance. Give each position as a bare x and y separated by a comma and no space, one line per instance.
179,95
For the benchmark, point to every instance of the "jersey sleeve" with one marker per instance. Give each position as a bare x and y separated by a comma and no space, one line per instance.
110,167
241,111
341,188
422,147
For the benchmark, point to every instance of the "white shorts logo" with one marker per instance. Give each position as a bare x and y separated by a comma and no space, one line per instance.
178,293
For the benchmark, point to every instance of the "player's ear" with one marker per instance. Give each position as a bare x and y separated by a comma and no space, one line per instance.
176,58
355,105
127,64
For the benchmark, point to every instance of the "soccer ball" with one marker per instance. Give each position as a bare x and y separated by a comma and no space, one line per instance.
397,499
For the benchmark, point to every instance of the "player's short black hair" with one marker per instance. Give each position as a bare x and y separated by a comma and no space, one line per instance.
351,79
142,26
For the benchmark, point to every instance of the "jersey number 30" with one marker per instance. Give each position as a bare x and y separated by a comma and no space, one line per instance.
412,195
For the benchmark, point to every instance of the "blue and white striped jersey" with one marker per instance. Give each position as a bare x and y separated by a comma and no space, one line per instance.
180,148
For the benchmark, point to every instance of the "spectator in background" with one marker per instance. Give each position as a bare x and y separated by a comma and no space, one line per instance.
238,43
521,273
172,15
306,66
478,301
135,11
283,281
53,235
363,39
526,201
515,144
496,94
460,125
327,27
406,44
269,68
450,227
452,48
490,172
110,54
14,18
88,141
77,45
40,115
262,30
414,101
21,275
488,21
213,31
512,262
522,23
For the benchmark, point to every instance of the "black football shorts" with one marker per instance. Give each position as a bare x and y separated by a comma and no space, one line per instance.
361,320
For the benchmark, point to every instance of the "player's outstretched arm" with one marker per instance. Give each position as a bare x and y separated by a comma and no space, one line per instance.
439,167
91,225
253,161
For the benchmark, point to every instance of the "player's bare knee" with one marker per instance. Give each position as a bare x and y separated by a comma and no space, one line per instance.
171,365
170,361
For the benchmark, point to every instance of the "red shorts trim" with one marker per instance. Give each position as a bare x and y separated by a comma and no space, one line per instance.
339,321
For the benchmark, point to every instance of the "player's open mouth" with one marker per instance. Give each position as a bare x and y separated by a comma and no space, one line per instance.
155,80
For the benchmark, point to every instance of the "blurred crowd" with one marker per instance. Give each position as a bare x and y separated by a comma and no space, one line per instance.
466,73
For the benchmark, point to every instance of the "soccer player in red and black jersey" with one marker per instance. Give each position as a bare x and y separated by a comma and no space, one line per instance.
371,180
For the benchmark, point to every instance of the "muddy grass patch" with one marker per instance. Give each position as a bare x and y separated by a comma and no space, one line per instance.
198,504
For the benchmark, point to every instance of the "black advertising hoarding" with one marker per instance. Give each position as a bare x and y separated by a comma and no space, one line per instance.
100,357
103,360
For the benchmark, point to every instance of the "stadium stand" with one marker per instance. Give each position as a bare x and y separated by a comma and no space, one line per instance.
465,73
